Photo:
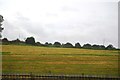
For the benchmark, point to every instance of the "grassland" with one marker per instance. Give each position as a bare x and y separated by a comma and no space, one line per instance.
45,60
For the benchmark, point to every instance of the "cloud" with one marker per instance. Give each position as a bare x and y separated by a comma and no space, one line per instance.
61,20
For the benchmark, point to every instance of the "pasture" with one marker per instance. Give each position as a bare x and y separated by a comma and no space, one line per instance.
58,61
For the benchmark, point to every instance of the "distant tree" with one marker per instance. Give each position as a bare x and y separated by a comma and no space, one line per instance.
68,45
46,43
30,40
110,47
1,20
16,41
102,47
57,44
4,40
62,45
77,45
87,46
95,46
50,44
38,44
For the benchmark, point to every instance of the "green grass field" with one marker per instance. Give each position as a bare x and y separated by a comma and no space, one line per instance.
46,60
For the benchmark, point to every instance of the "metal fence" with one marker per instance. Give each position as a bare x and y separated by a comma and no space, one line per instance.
54,77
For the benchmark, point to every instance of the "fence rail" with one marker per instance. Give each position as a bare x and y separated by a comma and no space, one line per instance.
54,77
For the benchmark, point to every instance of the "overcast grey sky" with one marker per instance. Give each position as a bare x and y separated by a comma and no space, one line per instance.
84,21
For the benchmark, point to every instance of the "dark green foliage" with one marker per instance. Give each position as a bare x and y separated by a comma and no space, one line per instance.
87,46
95,46
4,40
77,45
57,44
46,43
50,44
68,45
110,47
30,40
98,46
1,20
1,28
38,44
101,47
16,41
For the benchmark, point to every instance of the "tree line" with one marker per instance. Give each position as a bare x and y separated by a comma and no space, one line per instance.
1,28
31,41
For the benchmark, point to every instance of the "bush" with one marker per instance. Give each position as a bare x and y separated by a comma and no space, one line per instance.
57,44
30,40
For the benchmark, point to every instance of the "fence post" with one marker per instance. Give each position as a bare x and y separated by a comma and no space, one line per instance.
31,75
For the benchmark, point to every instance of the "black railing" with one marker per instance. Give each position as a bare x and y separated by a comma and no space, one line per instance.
55,77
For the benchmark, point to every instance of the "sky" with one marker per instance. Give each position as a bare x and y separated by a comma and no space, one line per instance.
83,21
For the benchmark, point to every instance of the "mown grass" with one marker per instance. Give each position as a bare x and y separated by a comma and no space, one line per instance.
44,60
